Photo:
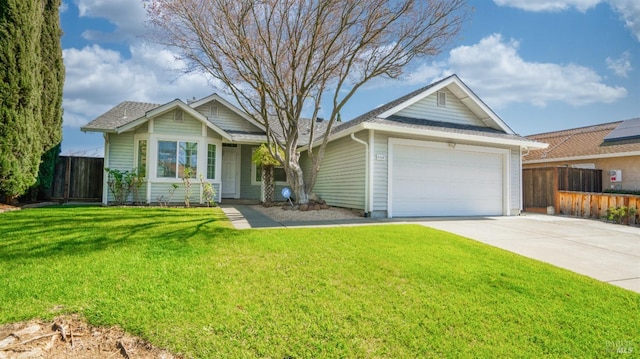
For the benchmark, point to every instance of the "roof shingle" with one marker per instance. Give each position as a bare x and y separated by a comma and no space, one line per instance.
579,142
120,115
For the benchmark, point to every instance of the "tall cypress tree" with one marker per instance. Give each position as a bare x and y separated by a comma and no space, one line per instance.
20,85
52,71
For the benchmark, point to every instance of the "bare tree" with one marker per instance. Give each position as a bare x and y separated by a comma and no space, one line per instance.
278,58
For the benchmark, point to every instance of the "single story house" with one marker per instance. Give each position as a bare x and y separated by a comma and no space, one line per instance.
612,147
438,151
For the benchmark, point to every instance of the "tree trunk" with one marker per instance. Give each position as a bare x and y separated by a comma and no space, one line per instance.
296,180
268,187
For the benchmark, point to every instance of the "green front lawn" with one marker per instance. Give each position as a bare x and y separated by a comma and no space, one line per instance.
186,280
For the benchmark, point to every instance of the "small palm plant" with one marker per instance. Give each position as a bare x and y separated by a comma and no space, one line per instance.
262,157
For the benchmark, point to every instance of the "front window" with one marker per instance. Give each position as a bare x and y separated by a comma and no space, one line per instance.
174,157
211,161
142,158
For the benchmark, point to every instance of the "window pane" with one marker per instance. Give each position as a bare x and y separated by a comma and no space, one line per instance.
142,158
211,161
166,159
188,158
279,174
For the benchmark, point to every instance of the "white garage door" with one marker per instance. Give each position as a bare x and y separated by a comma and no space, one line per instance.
434,179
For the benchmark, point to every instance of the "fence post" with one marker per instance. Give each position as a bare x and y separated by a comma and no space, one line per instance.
556,187
67,180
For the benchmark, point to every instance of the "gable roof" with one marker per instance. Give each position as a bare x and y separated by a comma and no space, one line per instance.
229,105
385,118
122,114
117,120
583,143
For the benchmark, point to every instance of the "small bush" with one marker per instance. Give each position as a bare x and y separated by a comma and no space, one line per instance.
619,214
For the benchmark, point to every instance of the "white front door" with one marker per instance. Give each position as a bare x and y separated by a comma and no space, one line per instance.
230,166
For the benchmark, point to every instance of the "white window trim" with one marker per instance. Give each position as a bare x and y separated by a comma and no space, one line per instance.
137,139
217,165
152,165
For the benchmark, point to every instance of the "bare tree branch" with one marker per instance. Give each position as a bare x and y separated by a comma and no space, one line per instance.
278,58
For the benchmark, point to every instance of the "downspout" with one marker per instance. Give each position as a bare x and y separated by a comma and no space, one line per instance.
105,164
366,172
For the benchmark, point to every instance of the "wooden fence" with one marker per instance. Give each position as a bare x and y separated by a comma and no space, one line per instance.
540,186
594,205
78,179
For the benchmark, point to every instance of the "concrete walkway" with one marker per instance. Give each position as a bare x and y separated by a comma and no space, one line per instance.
604,251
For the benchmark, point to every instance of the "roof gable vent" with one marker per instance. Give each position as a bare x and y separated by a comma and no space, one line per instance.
178,115
442,98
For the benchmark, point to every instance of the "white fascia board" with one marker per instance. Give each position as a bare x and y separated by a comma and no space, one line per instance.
455,136
414,99
230,106
133,124
431,133
103,130
470,100
586,157
482,107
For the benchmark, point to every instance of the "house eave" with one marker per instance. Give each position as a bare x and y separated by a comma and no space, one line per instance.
455,136
582,158
99,130
433,133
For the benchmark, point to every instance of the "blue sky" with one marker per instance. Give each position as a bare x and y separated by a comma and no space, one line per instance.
541,65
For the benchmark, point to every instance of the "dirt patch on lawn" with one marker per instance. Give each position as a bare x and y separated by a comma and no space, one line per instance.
71,337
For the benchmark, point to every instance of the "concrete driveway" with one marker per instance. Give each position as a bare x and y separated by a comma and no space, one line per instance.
604,251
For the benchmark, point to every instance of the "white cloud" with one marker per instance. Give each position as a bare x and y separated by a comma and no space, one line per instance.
496,72
629,10
128,17
620,66
98,79
549,5
63,7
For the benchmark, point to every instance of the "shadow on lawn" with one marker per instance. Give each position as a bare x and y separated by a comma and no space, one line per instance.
76,231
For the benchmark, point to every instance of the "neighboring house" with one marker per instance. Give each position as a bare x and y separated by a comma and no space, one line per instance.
437,151
612,147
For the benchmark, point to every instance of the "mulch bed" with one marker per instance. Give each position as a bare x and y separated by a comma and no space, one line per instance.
69,336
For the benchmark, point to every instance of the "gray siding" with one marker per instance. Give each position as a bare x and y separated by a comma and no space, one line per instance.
144,128
225,118
121,149
247,190
165,124
341,180
213,134
380,170
454,111
160,192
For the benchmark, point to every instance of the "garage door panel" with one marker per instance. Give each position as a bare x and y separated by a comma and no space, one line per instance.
428,181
